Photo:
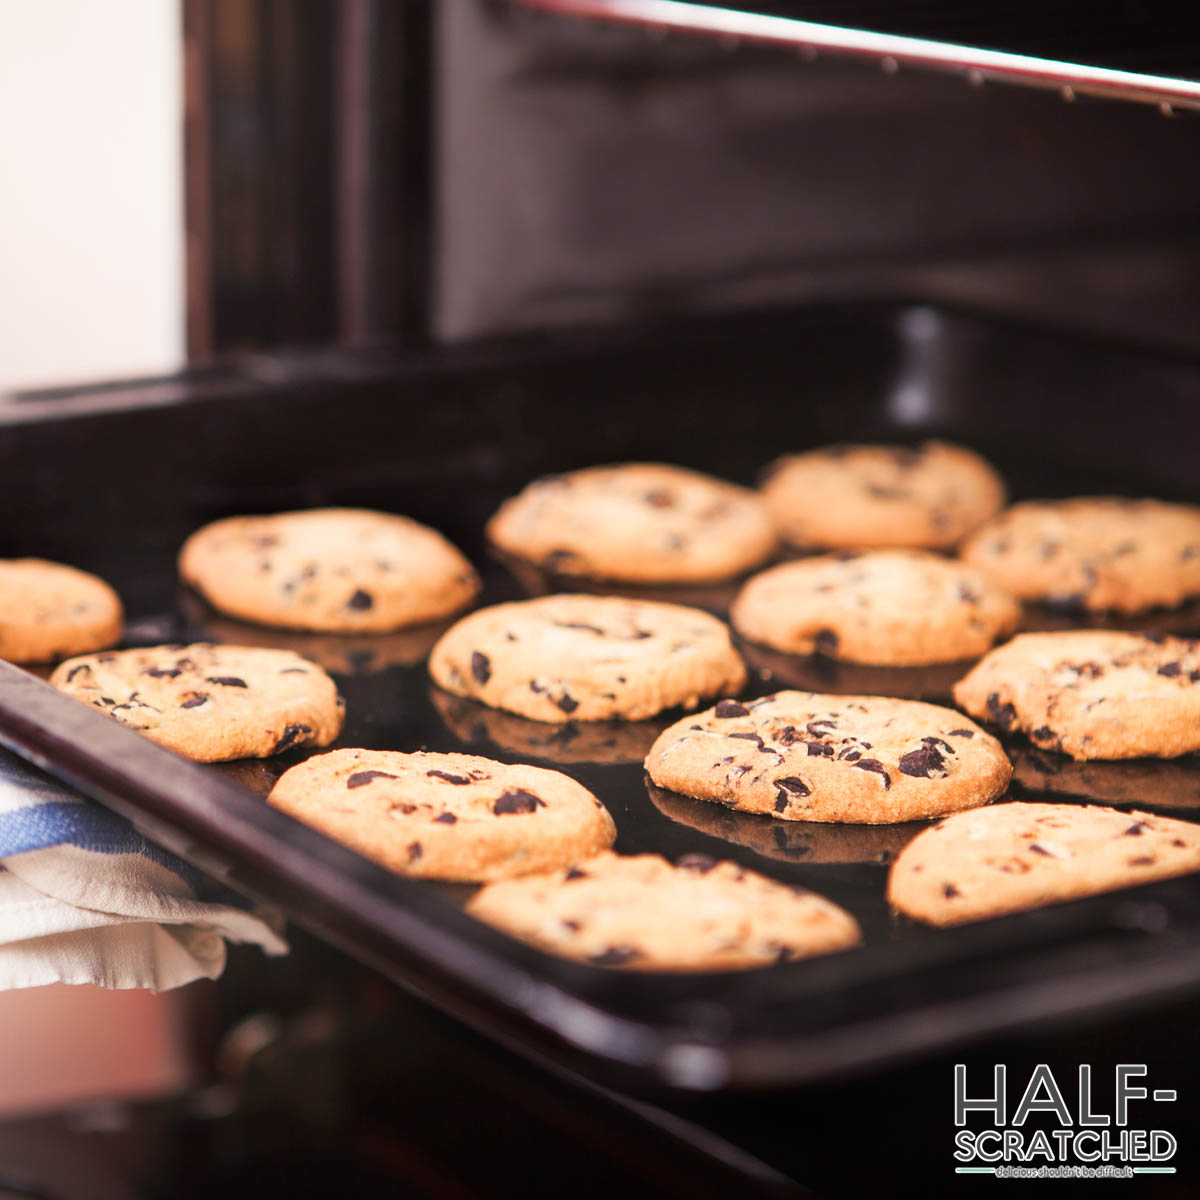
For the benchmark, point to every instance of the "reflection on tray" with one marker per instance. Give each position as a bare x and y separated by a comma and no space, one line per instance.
1170,783
257,774
1183,621
712,597
340,653
611,742
791,841
816,673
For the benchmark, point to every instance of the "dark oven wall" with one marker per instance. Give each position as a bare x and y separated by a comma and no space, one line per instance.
590,174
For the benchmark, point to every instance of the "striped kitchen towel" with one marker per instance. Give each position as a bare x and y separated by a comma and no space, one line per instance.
85,898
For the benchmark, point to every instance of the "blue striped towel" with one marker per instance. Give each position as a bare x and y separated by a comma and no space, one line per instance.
85,898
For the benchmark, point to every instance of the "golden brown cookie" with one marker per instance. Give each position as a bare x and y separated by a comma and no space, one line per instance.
1092,693
446,816
883,607
806,756
642,913
336,570
1010,857
862,496
587,658
637,522
1094,553
210,703
50,611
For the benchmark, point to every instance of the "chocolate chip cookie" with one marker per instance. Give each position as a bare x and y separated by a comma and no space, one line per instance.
642,913
587,658
886,607
806,756
335,570
636,522
446,816
1017,856
864,496
210,703
1092,693
50,611
1095,553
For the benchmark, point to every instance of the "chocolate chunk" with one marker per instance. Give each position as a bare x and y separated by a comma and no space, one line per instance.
1142,860
730,708
573,926
362,778
789,735
225,680
481,667
517,801
820,749
925,763
580,625
967,733
291,735
614,956
700,863
968,595
446,819
850,754
195,700
567,703
1135,830
821,729
414,851
826,641
1171,669
1003,715
153,672
791,786
1034,848
361,601
950,891
873,764
749,737
659,498
448,777
932,741
556,560
75,671
574,873
1046,736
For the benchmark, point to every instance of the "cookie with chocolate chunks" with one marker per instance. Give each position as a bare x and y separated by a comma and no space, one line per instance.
641,913
1010,857
810,756
446,816
336,570
885,607
587,658
1092,693
1093,553
210,703
636,522
49,611
867,496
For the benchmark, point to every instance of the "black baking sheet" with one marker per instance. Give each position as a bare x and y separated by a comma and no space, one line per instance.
444,439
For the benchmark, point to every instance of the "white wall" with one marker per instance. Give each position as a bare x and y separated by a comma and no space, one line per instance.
91,190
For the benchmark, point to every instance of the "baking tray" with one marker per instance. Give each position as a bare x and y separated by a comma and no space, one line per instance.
113,479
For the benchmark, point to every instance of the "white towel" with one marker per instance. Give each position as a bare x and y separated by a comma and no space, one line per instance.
84,898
